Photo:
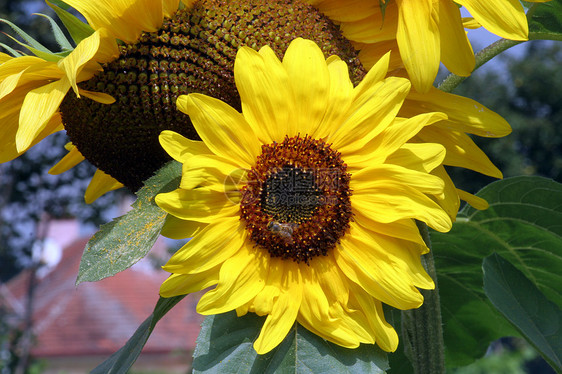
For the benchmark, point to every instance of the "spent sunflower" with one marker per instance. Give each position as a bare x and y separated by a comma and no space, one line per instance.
302,206
191,48
425,32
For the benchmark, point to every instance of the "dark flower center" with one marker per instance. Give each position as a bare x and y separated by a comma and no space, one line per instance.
194,51
297,203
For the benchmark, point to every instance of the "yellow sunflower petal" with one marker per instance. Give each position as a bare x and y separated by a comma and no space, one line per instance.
461,150
124,19
181,148
391,139
324,291
70,160
223,129
370,115
9,83
418,156
405,229
449,201
405,255
199,204
475,201
369,54
418,40
257,76
395,202
471,23
176,228
284,312
8,149
212,246
456,51
37,109
241,278
310,81
340,98
212,172
463,114
348,10
100,97
376,274
505,18
369,179
82,54
385,335
264,300
183,284
100,184
373,28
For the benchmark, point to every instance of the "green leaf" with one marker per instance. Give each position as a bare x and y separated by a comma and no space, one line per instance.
127,239
545,20
225,344
25,36
63,43
12,51
77,29
538,319
47,56
523,225
121,361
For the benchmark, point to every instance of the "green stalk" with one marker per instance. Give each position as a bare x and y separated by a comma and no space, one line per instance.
485,55
422,328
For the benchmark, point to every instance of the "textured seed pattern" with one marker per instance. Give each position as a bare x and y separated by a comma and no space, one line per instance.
194,51
297,203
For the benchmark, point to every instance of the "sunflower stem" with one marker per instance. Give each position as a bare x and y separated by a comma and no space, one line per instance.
485,55
421,328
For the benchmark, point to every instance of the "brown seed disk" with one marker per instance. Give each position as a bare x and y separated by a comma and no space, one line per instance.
297,204
194,51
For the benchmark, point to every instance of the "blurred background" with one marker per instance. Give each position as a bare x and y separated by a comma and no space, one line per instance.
47,325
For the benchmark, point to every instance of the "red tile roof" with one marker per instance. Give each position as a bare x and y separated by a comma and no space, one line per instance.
99,317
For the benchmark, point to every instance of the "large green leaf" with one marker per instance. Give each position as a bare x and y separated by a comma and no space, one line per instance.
225,346
121,361
124,241
545,20
518,299
523,224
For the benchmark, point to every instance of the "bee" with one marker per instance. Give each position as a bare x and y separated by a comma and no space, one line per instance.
283,230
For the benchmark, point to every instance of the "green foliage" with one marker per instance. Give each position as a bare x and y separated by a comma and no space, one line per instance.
61,39
126,240
518,299
34,46
523,225
124,358
545,20
225,346
503,359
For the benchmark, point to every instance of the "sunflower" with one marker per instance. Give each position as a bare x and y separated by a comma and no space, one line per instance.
425,32
302,207
191,48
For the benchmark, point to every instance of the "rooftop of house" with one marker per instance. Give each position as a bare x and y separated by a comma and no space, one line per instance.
98,318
